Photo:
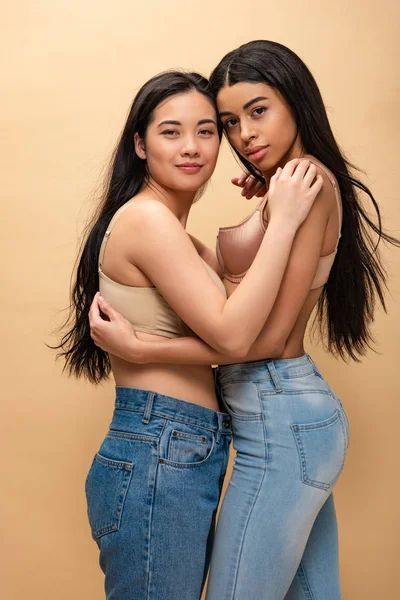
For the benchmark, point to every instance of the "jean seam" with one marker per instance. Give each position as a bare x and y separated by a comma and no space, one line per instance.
149,561
251,508
243,379
304,582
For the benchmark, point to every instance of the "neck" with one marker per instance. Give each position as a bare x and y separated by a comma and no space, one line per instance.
296,150
178,202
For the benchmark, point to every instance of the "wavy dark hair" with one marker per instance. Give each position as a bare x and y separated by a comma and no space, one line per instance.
126,176
357,280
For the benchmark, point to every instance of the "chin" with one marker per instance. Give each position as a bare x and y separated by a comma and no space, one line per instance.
190,186
267,165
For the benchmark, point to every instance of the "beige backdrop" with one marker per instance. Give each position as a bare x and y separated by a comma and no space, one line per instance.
71,70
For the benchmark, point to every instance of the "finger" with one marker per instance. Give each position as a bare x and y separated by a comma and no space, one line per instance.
236,181
107,309
94,311
310,175
301,169
243,177
248,189
241,180
277,174
290,167
317,185
260,190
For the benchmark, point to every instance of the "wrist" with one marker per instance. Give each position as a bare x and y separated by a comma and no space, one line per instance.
282,226
138,353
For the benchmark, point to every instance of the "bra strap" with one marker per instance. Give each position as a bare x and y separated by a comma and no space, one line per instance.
109,230
337,196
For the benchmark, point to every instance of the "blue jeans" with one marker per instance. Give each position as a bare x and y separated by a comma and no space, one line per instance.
153,491
276,536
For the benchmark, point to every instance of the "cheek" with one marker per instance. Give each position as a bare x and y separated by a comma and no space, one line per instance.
285,129
212,152
158,157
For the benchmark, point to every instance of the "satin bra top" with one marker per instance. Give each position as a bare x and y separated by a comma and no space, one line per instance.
238,245
144,307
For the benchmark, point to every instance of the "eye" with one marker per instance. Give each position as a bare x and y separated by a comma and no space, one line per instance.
206,132
229,123
260,110
170,132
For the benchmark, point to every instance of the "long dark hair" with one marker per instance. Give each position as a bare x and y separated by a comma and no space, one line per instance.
126,176
347,303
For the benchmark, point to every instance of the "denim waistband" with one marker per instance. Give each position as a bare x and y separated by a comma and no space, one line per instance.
151,403
263,370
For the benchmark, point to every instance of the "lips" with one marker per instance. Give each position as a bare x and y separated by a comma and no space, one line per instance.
256,152
190,167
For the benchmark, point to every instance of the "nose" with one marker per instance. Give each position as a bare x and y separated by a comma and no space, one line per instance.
247,132
190,146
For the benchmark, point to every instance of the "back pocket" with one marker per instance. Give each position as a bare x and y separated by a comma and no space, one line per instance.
322,450
106,488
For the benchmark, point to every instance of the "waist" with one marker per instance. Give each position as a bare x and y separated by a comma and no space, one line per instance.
264,370
192,383
148,403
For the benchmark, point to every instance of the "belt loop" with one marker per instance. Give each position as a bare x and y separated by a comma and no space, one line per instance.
148,407
311,360
220,418
274,375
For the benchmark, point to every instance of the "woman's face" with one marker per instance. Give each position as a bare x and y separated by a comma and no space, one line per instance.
181,142
259,124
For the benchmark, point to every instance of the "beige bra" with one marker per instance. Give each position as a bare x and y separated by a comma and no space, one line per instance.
238,245
144,307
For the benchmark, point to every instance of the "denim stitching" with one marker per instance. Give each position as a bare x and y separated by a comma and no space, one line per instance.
152,489
303,459
127,469
266,379
192,465
295,392
132,436
175,419
304,582
251,509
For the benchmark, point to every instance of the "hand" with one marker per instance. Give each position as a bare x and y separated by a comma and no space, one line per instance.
251,186
115,335
292,191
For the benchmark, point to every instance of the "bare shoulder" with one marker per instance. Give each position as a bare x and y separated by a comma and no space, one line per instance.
327,196
145,215
147,208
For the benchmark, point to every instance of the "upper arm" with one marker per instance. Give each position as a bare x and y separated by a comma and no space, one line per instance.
161,248
302,266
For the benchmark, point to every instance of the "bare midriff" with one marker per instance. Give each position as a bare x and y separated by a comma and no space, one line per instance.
192,383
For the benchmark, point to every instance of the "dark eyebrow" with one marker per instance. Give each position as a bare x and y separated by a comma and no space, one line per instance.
245,106
258,99
169,123
202,122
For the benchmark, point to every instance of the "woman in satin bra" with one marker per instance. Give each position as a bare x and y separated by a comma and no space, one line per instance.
277,534
154,485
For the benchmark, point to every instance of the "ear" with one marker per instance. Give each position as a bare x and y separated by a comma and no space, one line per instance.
139,146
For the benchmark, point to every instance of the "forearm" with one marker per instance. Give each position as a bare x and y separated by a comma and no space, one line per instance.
250,305
193,351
